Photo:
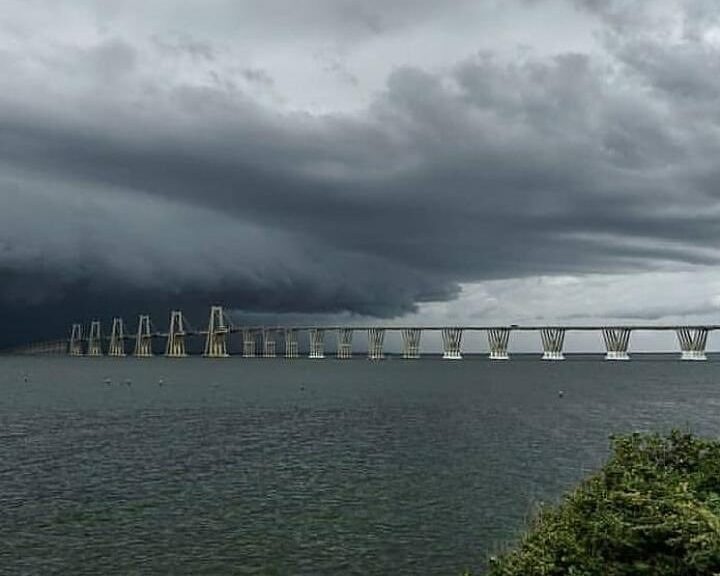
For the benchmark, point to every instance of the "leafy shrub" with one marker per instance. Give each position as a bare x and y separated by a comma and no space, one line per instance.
653,509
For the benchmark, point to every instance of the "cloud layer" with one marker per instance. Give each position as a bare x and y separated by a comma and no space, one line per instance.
145,166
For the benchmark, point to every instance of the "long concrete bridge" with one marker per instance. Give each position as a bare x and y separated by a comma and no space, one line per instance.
262,340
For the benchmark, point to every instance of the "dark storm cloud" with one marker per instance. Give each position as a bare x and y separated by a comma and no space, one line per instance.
128,193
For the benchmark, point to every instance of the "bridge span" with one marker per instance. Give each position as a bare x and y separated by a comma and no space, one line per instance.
221,337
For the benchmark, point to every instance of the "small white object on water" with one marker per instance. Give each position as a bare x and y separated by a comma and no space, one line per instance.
560,393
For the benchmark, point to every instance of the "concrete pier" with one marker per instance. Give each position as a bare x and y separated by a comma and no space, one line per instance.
376,338
268,338
248,336
291,343
143,339
175,346
217,334
552,343
498,339
692,343
117,338
411,343
344,343
616,341
317,343
452,340
95,340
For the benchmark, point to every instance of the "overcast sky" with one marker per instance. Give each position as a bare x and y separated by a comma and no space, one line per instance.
486,161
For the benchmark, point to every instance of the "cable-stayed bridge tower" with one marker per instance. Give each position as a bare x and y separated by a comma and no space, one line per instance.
95,339
143,338
175,347
76,347
117,338
217,332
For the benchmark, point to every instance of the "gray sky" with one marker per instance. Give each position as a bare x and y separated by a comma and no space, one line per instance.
481,161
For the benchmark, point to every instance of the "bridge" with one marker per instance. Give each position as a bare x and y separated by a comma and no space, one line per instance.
262,340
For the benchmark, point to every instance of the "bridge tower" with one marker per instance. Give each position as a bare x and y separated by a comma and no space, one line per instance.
452,341
552,343
411,343
291,343
616,341
692,342
498,339
317,343
175,346
117,338
376,338
94,340
143,338
217,332
76,347
248,335
268,337
344,343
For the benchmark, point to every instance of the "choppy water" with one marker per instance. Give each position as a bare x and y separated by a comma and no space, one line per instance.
308,467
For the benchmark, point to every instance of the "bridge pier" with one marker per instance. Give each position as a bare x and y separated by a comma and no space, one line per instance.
552,343
75,348
376,338
143,339
175,346
117,338
248,336
217,332
268,338
616,341
291,343
317,343
498,339
452,340
411,343
344,343
95,340
692,343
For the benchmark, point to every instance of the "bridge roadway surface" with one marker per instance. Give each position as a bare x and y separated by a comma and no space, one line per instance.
513,327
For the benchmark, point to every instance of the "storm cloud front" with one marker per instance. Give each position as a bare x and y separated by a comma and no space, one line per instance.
358,159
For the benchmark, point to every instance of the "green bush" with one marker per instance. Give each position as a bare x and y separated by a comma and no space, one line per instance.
653,509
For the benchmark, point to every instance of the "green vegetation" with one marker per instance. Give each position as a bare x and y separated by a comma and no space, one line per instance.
654,509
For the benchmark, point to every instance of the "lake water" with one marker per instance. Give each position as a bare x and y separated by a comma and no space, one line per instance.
239,466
